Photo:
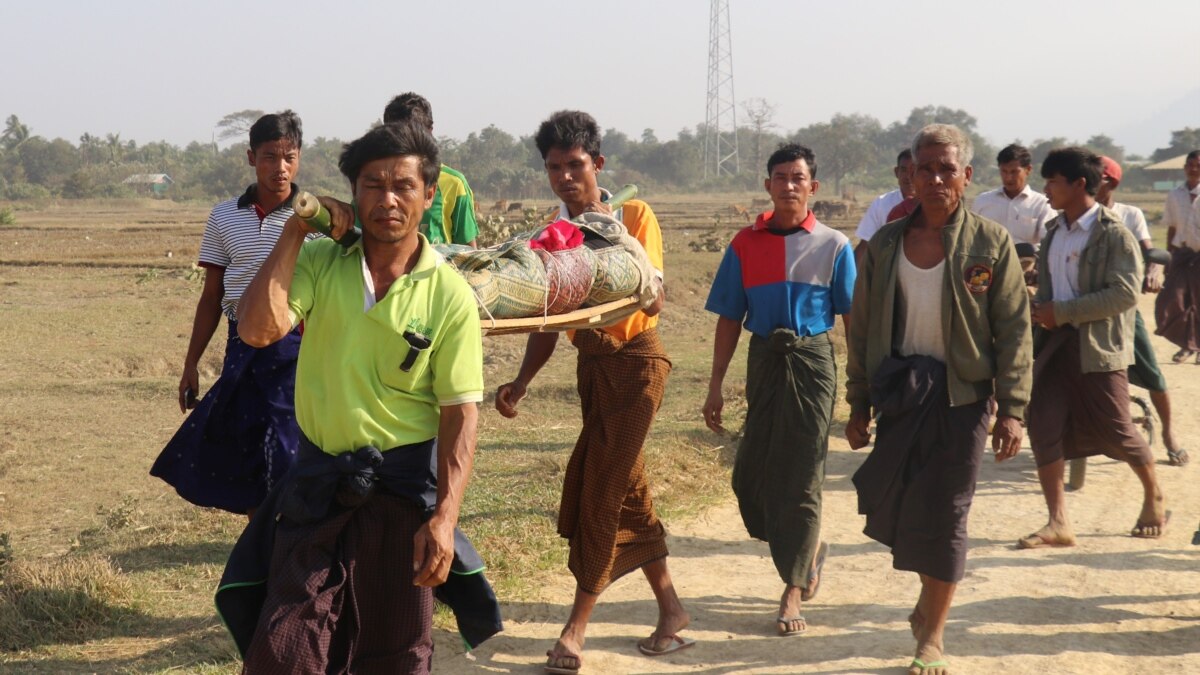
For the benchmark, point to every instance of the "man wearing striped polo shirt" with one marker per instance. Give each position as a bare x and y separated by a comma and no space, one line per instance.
786,277
451,217
242,437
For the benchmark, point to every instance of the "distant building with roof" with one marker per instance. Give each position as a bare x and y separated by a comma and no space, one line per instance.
155,183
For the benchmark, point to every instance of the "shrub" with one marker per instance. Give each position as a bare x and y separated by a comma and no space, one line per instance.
71,599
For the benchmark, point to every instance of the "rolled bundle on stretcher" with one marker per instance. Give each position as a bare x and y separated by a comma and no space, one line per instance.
588,261
591,260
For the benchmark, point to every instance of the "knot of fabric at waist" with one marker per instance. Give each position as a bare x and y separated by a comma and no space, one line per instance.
319,479
901,384
786,341
597,342
357,475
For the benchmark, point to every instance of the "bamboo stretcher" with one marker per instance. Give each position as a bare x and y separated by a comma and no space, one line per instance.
586,317
307,207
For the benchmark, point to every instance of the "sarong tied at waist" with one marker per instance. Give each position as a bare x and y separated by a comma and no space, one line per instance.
242,437
1074,414
607,514
916,486
779,471
324,486
1175,309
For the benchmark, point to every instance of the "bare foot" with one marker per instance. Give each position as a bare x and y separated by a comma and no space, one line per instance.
1051,535
929,660
565,657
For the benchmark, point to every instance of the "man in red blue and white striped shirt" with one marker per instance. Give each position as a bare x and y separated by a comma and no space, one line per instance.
786,277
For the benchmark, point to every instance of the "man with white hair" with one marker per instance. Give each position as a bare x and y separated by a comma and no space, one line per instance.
940,324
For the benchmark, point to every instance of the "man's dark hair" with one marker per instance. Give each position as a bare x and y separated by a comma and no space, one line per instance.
392,140
904,154
409,106
790,152
1075,163
1192,155
1015,153
567,129
276,126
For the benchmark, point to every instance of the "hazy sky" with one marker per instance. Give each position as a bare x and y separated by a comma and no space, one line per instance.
171,69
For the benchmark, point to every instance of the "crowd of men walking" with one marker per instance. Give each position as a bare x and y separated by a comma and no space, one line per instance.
344,420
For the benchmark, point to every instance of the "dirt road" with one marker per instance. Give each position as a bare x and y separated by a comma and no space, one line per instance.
1112,604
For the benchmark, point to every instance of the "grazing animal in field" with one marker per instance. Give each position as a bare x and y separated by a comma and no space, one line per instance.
739,210
515,206
830,209
500,206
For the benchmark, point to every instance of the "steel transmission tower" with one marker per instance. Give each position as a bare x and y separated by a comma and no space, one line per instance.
720,119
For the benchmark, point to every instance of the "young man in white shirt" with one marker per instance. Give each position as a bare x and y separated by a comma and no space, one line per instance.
1021,210
1089,273
877,212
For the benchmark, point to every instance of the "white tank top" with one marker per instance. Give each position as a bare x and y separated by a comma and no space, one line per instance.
921,306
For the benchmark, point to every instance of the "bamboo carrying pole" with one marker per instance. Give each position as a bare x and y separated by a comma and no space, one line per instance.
618,198
317,216
311,211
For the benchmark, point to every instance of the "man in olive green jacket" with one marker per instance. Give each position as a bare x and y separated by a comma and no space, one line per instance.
1089,275
939,323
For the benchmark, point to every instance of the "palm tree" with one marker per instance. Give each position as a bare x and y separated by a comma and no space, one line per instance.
115,149
14,134
88,144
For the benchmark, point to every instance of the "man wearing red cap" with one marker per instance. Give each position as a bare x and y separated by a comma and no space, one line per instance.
1145,371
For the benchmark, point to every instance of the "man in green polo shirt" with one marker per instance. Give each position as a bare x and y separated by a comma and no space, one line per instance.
450,219
390,367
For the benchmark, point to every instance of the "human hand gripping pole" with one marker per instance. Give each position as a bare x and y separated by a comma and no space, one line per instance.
338,224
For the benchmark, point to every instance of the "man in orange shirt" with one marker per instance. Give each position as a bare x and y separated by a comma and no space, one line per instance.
607,514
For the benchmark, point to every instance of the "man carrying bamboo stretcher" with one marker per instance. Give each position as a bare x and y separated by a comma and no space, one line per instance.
606,513
787,277
337,571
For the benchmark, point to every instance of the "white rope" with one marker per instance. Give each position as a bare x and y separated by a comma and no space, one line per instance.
479,301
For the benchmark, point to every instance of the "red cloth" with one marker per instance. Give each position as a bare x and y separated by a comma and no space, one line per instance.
903,209
558,236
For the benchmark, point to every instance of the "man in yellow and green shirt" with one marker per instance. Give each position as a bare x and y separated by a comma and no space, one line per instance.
450,219
389,378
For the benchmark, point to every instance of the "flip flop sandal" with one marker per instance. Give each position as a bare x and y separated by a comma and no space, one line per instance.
1177,457
923,666
1181,356
817,573
561,670
646,646
785,623
1140,528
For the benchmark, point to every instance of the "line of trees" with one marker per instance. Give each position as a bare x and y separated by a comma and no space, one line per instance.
853,151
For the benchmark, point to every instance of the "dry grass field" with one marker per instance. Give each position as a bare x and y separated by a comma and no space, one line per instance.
104,569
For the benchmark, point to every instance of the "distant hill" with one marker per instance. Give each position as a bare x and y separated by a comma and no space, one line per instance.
1153,132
